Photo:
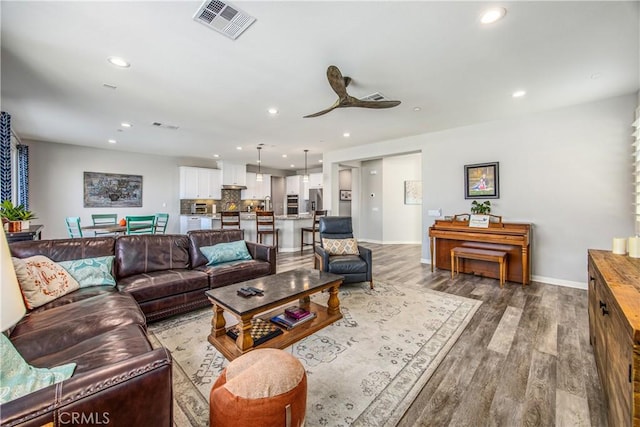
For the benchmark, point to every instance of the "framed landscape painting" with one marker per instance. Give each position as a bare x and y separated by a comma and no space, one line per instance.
111,190
481,181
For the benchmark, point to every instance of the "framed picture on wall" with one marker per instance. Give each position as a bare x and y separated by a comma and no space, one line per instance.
112,190
413,192
345,195
481,181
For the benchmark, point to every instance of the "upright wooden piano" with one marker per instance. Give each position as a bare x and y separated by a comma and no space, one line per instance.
513,238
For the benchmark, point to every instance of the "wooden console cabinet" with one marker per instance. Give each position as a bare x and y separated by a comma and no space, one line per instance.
614,332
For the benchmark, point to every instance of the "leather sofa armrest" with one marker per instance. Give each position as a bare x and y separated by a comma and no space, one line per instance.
324,257
263,253
135,391
365,254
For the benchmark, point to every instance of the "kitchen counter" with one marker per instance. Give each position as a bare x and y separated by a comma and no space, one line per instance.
289,226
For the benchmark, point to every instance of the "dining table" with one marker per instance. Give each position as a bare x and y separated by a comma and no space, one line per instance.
113,228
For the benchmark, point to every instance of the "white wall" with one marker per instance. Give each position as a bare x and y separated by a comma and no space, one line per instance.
400,223
56,184
567,171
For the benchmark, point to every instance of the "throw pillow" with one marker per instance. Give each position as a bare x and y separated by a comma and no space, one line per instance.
341,246
42,280
91,271
18,378
226,252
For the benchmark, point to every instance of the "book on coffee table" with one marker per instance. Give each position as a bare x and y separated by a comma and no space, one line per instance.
296,312
261,331
287,322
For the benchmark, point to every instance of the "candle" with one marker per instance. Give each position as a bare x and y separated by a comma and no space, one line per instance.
619,245
634,247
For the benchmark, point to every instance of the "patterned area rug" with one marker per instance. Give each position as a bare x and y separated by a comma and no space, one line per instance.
364,370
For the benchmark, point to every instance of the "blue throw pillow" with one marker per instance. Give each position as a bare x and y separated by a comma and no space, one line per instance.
225,252
18,378
91,271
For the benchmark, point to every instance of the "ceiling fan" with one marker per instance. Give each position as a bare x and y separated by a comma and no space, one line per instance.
339,85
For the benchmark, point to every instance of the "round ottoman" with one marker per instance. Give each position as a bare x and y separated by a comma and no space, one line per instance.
263,388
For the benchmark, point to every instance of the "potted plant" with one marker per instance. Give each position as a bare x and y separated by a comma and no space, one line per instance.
483,208
15,216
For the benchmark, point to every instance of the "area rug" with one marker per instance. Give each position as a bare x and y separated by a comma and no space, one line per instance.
364,370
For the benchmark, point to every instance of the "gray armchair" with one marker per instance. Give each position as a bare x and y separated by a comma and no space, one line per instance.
354,268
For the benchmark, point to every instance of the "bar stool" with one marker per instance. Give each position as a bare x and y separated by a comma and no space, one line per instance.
230,220
266,225
313,229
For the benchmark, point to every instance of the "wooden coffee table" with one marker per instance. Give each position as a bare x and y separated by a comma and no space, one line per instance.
279,290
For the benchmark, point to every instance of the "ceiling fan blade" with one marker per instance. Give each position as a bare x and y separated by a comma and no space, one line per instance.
355,102
337,82
320,113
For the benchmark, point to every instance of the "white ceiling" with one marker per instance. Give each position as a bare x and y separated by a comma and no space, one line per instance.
432,55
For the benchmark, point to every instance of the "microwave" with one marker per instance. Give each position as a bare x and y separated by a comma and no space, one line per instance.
198,208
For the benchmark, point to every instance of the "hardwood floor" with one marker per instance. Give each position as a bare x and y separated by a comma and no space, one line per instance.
524,360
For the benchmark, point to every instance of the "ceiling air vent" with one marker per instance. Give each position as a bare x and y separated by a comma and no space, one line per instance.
224,18
165,126
374,97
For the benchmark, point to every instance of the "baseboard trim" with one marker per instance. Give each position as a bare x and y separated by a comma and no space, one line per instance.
560,282
386,242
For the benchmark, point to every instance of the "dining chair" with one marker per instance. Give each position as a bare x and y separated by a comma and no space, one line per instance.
73,226
230,220
313,230
162,219
265,226
104,219
141,224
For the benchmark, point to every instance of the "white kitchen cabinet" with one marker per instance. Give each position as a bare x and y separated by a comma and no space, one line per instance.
200,183
315,180
294,184
205,223
194,222
234,173
256,190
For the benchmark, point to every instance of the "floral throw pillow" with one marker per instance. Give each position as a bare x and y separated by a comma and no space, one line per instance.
42,280
341,246
18,378
91,271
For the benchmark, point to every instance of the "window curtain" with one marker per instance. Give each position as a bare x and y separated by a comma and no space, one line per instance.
6,188
23,175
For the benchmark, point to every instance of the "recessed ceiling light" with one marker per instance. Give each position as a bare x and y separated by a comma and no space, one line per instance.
111,141
596,76
492,15
519,94
284,156
118,62
273,111
417,108
346,134
293,166
216,155
320,161
125,125
238,148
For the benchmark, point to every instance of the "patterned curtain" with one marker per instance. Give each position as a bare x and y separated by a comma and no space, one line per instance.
5,156
23,175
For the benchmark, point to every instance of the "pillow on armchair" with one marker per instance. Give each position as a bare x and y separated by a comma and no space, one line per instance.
341,246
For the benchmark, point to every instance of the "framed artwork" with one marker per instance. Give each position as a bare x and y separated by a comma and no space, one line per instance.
481,181
413,192
345,195
112,190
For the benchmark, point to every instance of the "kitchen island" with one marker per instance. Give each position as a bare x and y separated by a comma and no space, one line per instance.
288,225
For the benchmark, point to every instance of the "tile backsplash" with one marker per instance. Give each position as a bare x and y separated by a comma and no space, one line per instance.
230,201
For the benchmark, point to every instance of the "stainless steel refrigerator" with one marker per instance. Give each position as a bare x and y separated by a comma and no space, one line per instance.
315,200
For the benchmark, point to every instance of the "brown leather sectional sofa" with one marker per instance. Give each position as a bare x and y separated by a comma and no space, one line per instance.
119,379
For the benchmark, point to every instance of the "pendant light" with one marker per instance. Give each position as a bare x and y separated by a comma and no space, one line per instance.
259,174
305,177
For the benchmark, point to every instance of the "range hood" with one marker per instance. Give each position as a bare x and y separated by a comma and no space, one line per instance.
234,187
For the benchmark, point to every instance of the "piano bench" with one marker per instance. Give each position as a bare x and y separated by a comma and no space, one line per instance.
481,255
